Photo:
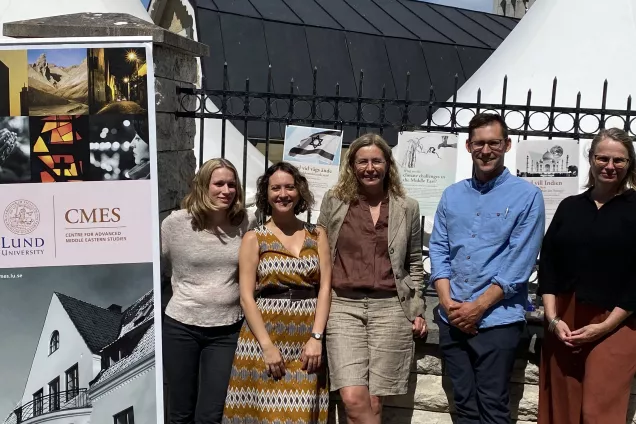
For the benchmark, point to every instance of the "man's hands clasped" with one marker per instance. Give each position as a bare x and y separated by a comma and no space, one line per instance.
464,315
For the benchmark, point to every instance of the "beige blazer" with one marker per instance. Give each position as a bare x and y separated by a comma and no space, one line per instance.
405,246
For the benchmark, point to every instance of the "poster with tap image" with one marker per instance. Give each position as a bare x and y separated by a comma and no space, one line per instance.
427,164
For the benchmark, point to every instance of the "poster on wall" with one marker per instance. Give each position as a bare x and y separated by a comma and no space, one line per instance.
427,163
79,233
316,153
551,165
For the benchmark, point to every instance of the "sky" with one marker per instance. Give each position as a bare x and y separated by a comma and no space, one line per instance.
481,5
58,57
25,302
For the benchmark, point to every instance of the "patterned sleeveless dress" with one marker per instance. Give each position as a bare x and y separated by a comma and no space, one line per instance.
253,397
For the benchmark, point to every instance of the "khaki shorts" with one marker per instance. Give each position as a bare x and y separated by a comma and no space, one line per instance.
369,343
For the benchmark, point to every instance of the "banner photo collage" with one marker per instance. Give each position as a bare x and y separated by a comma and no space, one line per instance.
79,243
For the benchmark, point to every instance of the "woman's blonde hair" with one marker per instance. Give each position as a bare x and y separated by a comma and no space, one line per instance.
622,137
198,203
348,186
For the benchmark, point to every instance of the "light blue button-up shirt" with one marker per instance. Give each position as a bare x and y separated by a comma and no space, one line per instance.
488,233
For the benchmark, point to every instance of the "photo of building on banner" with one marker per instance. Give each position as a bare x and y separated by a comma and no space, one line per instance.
551,165
316,152
427,163
79,234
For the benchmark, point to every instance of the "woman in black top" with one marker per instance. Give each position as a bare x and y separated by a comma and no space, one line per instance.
587,278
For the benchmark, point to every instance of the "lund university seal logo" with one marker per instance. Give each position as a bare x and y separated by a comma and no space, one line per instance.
21,217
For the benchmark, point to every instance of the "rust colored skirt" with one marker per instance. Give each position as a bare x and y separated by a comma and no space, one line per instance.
588,384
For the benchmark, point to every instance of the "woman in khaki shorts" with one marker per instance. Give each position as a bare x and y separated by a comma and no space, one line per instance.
374,236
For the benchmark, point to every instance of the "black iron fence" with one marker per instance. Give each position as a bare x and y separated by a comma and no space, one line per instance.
50,403
260,116
256,114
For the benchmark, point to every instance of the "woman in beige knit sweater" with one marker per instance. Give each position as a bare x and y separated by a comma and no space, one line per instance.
200,244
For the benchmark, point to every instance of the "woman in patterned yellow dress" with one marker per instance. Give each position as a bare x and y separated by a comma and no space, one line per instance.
278,374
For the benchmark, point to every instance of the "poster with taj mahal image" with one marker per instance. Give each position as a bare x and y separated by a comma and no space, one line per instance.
551,165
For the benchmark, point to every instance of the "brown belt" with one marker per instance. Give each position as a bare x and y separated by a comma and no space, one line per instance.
296,293
361,293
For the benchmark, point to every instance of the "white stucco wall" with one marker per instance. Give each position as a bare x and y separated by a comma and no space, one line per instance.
138,392
72,350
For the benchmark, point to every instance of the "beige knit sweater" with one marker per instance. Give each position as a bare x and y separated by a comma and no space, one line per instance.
204,268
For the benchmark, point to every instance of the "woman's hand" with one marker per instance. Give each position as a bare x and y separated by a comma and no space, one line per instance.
587,334
311,356
562,331
419,327
274,361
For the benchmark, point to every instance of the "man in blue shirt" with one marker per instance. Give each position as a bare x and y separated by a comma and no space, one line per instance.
486,238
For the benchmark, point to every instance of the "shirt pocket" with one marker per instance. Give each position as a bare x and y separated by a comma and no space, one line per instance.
495,227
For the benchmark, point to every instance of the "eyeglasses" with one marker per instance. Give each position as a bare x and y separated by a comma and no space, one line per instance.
495,145
363,163
619,163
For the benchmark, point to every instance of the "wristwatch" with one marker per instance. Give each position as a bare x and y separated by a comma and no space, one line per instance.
316,336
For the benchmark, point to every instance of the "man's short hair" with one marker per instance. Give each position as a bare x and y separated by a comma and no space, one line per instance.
483,119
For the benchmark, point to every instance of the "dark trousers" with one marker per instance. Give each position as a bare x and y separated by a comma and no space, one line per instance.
197,365
480,367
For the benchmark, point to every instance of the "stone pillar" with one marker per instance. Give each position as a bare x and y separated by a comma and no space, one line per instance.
175,136
174,65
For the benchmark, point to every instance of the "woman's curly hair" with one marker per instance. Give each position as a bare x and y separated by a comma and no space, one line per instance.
347,189
306,197
198,203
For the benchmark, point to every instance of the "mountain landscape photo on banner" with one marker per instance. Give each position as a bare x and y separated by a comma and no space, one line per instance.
58,82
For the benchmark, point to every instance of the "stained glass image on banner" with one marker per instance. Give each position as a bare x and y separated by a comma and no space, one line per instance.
14,150
13,83
118,81
119,148
58,82
59,148
86,346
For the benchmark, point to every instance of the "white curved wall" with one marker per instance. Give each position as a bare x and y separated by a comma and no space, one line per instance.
581,42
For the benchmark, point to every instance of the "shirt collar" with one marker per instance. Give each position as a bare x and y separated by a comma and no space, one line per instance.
487,186
627,195
363,198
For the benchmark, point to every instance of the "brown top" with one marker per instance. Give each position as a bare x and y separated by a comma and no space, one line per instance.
362,250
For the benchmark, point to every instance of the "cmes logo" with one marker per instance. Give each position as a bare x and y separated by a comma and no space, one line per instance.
93,216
